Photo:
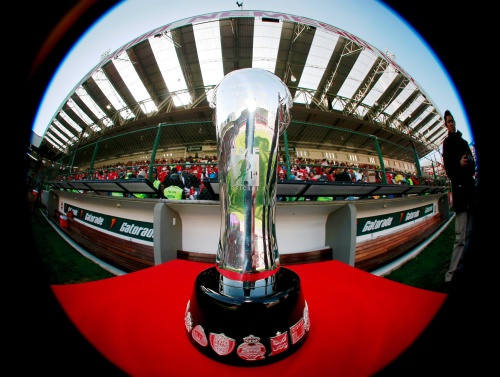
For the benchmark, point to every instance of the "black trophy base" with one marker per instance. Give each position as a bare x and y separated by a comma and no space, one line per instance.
247,323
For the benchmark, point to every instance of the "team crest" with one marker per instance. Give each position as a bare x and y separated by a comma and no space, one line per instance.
251,349
188,319
222,344
279,343
297,331
307,320
199,335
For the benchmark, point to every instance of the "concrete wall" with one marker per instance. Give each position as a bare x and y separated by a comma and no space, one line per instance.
194,226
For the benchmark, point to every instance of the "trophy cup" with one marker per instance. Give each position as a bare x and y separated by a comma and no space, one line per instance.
247,309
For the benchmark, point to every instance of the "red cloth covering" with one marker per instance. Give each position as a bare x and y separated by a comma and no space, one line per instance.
359,322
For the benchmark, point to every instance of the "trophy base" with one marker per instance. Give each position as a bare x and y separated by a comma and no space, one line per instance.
247,323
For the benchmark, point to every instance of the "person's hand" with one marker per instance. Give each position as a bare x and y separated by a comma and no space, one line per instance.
464,161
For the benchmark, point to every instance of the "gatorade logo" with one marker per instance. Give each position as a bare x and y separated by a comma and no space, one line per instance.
136,230
412,215
98,220
377,224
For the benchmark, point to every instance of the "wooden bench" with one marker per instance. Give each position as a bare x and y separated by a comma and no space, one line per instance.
320,255
131,256
196,257
376,252
123,254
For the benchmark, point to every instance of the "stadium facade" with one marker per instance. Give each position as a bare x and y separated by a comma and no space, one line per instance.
351,101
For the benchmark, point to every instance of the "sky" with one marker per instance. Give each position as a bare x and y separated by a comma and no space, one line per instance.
370,20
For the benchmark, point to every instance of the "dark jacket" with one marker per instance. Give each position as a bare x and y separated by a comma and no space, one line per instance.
173,179
192,180
344,176
463,185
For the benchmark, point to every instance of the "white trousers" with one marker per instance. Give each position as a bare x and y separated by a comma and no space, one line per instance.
463,230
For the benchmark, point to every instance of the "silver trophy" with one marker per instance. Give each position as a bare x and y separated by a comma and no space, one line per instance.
248,309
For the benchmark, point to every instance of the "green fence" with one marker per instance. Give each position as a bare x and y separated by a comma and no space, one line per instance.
302,144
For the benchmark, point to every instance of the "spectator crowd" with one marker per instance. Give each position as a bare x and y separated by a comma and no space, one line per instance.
183,178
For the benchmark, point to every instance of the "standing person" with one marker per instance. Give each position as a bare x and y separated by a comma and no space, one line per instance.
345,176
173,179
193,180
460,169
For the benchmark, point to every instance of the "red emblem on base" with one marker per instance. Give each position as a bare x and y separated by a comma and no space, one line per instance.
188,319
297,331
307,319
222,344
199,335
279,343
251,350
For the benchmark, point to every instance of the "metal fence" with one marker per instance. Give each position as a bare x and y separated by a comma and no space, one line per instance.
302,144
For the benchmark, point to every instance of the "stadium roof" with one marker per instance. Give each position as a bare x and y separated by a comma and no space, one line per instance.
168,74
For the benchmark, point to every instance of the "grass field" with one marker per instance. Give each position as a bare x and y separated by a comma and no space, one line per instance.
63,264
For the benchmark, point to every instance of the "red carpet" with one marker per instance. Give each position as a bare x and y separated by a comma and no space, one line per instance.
359,322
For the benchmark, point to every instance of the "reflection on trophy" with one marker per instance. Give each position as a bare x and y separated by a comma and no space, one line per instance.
247,309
